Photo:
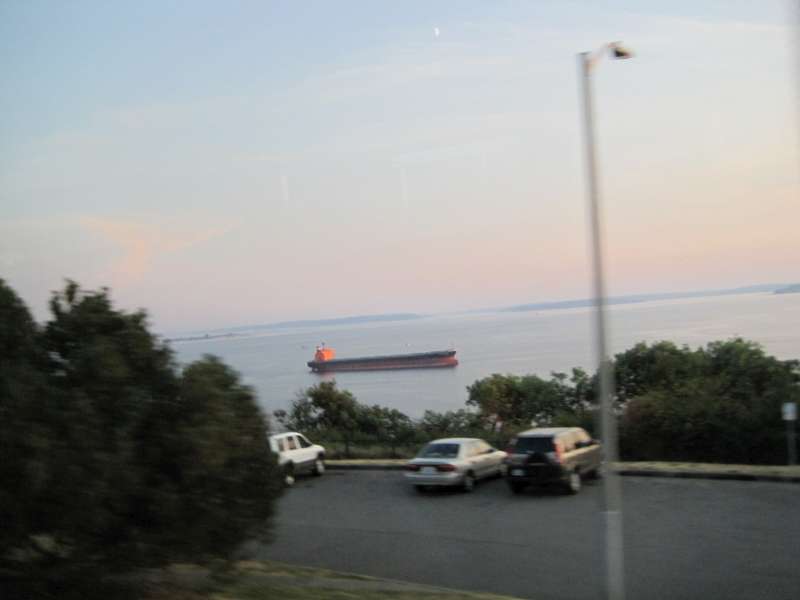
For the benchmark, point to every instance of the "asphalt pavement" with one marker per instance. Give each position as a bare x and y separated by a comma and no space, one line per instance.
684,538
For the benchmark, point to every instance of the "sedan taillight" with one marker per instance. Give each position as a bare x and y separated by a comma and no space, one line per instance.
444,468
412,467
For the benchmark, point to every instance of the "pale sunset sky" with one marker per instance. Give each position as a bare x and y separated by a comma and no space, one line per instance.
233,163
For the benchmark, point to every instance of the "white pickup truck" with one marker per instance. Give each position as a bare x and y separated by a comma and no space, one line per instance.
297,455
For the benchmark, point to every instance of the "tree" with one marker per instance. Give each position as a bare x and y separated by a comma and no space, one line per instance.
389,425
660,366
24,439
542,400
497,398
725,408
451,423
123,461
301,416
513,402
208,453
746,371
325,409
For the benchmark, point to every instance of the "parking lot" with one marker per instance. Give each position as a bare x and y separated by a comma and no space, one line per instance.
684,538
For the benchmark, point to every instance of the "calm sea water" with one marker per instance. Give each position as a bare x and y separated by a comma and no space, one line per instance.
274,362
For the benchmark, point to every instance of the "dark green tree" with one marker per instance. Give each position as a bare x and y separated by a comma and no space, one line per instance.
512,402
726,408
659,366
389,426
118,460
326,410
25,440
498,399
452,423
207,454
301,416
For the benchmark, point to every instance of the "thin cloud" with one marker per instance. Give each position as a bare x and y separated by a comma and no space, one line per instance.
143,242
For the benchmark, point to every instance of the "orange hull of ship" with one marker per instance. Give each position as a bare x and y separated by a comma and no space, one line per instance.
324,362
355,366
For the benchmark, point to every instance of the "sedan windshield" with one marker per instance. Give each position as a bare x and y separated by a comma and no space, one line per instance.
439,451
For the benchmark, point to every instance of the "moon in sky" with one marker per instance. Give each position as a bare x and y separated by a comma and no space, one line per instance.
436,31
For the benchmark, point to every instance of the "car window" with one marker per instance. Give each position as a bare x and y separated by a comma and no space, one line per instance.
304,443
481,447
291,442
529,445
439,451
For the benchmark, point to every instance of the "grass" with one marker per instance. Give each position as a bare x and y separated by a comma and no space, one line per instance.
265,580
696,467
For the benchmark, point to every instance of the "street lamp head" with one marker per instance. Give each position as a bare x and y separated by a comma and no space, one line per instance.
619,52
616,50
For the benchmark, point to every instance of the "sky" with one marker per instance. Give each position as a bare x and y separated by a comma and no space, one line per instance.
224,164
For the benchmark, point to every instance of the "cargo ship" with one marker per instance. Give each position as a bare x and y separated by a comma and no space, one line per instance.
325,361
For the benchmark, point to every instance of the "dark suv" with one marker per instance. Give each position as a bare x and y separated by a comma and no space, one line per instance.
561,455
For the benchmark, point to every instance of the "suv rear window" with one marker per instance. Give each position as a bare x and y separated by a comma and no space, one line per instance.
529,445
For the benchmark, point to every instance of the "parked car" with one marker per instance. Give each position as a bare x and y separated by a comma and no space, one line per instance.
560,455
296,455
454,461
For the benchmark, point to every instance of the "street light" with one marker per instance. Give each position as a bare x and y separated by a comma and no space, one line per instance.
612,494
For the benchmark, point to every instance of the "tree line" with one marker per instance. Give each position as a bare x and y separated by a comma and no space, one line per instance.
717,403
113,457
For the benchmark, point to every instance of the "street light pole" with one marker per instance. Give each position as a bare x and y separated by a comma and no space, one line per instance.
611,503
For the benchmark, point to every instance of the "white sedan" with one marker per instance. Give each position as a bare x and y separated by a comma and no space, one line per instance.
454,461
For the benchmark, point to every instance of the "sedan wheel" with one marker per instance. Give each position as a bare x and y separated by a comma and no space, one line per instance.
469,482
319,467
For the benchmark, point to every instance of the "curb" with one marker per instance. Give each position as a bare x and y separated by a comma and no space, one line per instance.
624,472
345,466
711,475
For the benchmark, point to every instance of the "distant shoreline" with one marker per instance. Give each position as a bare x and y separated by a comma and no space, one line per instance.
774,288
196,338
789,289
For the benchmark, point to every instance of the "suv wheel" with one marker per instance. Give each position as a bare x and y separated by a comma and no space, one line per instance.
288,475
319,466
516,486
574,482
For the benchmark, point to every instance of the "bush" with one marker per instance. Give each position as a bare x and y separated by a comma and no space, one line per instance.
112,458
728,410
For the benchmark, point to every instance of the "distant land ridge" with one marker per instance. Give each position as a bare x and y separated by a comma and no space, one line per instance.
636,298
775,288
789,289
326,322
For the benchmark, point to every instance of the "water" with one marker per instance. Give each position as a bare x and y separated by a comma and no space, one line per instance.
274,362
